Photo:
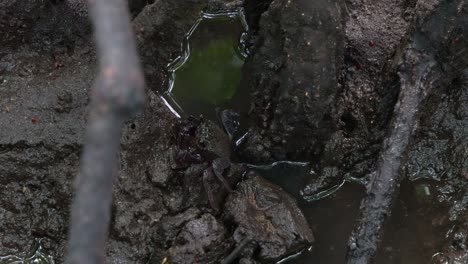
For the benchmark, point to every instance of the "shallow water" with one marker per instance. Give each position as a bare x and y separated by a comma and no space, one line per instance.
332,220
412,235
207,74
291,176
417,228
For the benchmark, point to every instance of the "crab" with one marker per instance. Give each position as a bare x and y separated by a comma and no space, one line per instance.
191,151
218,167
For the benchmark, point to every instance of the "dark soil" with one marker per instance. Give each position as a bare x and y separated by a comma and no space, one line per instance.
321,76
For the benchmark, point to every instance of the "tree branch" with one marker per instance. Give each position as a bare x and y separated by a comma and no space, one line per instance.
117,95
435,54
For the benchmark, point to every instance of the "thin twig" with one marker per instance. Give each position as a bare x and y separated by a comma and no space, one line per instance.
117,95
376,206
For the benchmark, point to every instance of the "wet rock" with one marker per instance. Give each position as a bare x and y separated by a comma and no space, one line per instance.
213,140
201,240
263,212
293,75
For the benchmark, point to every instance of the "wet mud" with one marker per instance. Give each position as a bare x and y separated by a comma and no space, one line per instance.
322,90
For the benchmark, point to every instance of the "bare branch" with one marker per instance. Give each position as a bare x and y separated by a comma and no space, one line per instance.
118,94
376,206
435,53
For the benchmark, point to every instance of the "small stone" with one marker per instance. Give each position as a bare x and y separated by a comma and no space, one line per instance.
264,212
214,140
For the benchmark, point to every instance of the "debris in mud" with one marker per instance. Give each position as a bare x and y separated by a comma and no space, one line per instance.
264,213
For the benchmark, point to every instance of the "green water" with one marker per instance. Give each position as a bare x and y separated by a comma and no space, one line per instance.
211,74
207,74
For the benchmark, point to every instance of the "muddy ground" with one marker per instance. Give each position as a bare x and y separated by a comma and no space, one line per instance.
320,76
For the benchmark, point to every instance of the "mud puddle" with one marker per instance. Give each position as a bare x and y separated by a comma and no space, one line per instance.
418,227
332,220
414,233
205,78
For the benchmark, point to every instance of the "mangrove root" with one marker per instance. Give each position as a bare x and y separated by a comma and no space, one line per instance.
435,54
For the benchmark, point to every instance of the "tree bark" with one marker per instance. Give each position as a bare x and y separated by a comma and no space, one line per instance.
434,55
118,94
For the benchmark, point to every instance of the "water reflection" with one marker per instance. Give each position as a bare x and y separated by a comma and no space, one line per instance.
208,72
36,256
414,233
